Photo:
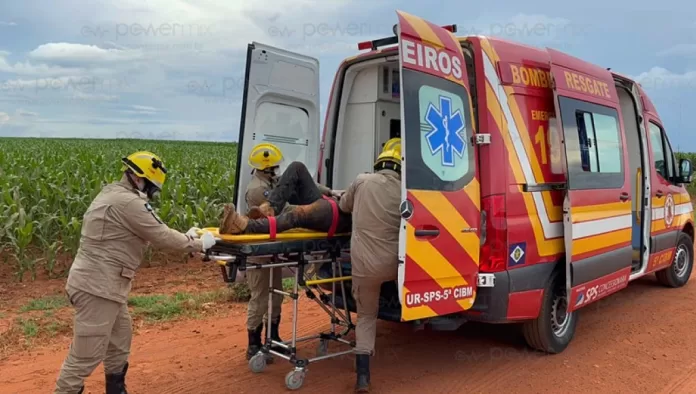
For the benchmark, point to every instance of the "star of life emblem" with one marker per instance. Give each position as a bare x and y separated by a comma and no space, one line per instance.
446,134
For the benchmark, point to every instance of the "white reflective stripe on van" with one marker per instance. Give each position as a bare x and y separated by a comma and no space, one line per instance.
679,209
551,229
601,226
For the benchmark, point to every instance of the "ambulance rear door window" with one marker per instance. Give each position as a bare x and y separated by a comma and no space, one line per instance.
438,127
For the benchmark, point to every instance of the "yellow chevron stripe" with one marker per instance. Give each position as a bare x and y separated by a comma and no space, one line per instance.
599,211
435,265
445,213
473,190
605,240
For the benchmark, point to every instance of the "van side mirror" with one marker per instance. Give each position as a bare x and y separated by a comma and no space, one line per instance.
685,171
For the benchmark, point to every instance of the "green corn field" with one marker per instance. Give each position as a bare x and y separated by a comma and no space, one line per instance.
47,185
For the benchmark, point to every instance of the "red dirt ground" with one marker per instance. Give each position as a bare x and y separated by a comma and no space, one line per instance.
639,340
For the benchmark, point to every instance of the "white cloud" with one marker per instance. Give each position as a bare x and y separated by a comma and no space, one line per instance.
661,78
4,117
26,68
63,52
5,23
136,60
22,112
679,50
94,97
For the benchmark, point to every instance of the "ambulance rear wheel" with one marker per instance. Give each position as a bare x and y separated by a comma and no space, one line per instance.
678,273
553,330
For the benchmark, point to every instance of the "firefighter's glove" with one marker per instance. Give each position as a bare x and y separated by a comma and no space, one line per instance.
193,232
208,240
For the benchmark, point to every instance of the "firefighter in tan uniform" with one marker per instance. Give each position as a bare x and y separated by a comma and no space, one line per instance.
264,159
373,199
116,229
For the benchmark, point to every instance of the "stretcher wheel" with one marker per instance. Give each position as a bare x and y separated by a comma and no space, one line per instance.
323,348
257,363
294,379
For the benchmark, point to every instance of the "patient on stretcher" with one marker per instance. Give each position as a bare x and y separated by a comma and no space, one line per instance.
311,209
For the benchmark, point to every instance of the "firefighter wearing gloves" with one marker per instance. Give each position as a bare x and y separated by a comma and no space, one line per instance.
264,160
116,229
373,199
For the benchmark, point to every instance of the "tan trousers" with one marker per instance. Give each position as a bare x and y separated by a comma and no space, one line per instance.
366,292
102,332
257,310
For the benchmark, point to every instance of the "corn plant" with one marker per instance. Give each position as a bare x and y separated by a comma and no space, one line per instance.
46,185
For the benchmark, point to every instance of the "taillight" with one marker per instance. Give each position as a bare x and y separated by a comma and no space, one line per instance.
494,234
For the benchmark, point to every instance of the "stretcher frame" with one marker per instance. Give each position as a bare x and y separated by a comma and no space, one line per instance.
290,249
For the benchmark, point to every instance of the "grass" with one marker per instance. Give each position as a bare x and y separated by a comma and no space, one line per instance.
46,186
30,327
49,303
160,307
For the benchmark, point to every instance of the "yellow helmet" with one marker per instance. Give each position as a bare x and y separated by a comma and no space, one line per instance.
146,165
264,156
394,143
389,159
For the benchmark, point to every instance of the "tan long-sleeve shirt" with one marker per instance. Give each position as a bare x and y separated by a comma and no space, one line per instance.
116,229
373,200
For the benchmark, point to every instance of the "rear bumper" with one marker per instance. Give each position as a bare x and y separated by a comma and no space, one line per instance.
516,296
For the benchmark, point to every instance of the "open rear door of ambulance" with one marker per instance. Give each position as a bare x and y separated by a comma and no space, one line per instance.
439,240
597,216
280,106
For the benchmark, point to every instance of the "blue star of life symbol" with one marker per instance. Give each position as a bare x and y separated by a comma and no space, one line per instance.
445,137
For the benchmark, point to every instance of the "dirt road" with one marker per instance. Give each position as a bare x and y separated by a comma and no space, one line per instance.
641,340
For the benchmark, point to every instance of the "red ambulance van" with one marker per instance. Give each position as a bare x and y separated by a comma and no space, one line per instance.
534,183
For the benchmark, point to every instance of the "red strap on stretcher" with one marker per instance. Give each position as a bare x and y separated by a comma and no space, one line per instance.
272,226
334,215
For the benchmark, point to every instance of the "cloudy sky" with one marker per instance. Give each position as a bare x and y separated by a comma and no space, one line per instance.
174,69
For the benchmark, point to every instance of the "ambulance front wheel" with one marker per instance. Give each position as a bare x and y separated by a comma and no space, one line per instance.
554,328
678,273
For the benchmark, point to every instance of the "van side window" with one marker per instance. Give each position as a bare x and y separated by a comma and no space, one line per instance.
663,158
593,145
600,149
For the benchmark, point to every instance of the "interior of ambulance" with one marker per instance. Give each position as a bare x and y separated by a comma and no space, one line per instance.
282,107
368,115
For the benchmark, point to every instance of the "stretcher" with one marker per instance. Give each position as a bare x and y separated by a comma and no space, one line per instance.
297,249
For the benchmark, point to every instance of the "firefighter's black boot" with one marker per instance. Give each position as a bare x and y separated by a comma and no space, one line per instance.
254,342
276,337
116,382
362,367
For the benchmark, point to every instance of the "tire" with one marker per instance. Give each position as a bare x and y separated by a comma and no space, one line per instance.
678,273
540,333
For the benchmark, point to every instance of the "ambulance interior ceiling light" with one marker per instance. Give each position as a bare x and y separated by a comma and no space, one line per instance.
374,44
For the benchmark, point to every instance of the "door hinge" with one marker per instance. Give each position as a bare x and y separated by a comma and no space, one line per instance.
482,139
